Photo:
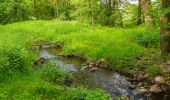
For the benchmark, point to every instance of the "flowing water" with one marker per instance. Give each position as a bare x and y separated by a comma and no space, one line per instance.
112,83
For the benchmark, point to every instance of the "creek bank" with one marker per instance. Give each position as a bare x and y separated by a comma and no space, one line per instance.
140,83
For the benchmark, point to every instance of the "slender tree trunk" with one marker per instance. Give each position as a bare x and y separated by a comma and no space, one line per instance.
57,7
92,13
16,10
34,8
146,6
110,12
139,21
165,28
54,8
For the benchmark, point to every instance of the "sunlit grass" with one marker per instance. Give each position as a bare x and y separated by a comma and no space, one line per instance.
82,39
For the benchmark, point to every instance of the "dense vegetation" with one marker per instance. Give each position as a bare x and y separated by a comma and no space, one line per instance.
125,35
20,81
103,12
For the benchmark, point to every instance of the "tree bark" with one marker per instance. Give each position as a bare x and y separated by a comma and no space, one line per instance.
54,9
139,21
146,6
92,13
34,8
165,29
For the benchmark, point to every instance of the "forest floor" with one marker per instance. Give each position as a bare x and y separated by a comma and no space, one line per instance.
133,52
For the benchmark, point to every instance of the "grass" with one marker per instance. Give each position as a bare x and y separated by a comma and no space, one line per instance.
34,87
120,47
18,80
127,50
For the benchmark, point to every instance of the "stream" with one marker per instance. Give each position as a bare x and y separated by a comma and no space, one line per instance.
111,82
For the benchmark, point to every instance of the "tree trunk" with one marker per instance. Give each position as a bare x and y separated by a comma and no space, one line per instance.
34,8
146,6
139,21
57,7
92,13
165,29
54,9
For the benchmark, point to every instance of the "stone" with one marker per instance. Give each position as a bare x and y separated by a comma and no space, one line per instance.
113,76
143,90
159,79
141,84
97,65
142,77
124,98
104,66
131,86
94,69
90,66
102,60
59,55
164,87
155,89
88,61
85,67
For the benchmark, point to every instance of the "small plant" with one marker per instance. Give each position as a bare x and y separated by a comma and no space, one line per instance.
154,71
13,60
54,74
148,39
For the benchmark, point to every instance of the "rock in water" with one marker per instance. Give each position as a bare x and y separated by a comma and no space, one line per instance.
85,67
159,79
142,90
124,98
164,87
90,66
94,69
155,89
131,86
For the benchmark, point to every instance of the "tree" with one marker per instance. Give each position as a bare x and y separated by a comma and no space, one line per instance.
146,6
165,27
92,12
139,21
34,2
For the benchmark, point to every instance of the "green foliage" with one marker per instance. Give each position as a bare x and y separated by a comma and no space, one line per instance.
33,86
124,49
111,13
60,93
154,71
148,39
93,42
14,60
14,10
129,17
55,74
156,12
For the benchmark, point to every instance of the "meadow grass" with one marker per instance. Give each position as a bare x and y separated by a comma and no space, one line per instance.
33,86
130,50
120,47
18,80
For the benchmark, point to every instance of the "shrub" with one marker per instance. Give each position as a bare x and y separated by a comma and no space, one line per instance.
13,60
54,74
148,39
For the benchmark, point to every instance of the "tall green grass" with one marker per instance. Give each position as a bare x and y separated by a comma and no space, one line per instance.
120,47
19,81
46,84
